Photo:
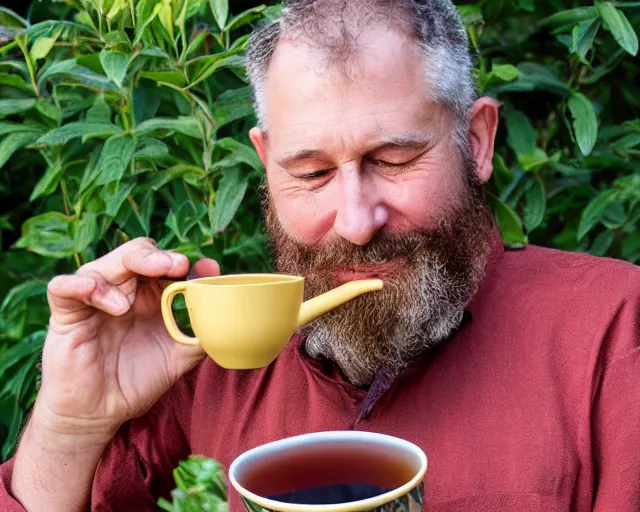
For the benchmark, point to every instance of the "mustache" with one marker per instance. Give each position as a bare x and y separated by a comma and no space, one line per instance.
384,246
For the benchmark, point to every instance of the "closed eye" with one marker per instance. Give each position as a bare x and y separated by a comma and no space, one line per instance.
395,165
315,174
382,163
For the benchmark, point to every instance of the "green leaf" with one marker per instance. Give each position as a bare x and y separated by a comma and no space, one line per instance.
502,175
166,19
114,158
13,142
471,14
232,105
614,215
49,109
175,172
585,35
117,6
172,77
9,127
535,205
10,106
594,211
535,76
571,16
244,17
69,131
585,124
146,10
115,194
9,18
509,223
100,111
115,65
42,47
630,247
56,68
151,148
602,243
185,217
117,38
240,153
526,5
85,231
626,142
146,101
19,294
220,11
619,26
11,80
48,234
48,183
229,195
505,72
4,222
83,76
534,160
522,136
91,61
68,30
186,125
200,68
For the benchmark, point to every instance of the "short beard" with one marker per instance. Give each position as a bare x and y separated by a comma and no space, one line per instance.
420,305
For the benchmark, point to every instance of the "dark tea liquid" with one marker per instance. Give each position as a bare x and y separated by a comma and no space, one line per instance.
336,472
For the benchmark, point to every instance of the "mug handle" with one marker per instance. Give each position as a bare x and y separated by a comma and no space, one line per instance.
168,295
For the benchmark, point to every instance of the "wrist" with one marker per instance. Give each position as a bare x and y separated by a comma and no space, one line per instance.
58,433
53,470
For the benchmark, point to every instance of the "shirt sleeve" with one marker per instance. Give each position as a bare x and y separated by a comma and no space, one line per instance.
7,502
136,467
616,411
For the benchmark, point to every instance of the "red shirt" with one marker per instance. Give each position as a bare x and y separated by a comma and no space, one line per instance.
532,405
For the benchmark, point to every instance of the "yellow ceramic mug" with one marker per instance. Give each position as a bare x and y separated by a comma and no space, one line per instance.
244,321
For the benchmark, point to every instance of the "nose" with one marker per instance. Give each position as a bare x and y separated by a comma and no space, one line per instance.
360,214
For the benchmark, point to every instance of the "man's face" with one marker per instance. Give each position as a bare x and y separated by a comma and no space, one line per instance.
365,180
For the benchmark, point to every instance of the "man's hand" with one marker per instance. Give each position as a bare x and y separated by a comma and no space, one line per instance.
107,358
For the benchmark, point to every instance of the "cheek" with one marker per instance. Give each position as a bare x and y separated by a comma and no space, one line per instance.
307,216
420,199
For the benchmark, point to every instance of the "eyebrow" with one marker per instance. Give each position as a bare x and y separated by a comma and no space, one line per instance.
398,141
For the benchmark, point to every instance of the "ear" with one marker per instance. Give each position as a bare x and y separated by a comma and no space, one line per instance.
484,124
259,140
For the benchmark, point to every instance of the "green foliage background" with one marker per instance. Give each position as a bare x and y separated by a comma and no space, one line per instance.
127,118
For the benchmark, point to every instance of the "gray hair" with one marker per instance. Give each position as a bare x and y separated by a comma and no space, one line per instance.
434,25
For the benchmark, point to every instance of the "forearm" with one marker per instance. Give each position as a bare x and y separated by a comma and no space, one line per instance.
54,471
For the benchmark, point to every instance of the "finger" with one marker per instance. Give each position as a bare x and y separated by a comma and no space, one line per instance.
205,268
152,262
138,257
111,265
70,294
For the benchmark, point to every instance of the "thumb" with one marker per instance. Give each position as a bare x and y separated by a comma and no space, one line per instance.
205,267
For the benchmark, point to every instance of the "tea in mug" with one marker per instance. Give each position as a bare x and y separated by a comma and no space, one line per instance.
329,474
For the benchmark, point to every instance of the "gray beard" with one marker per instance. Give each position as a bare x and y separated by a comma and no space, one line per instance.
366,336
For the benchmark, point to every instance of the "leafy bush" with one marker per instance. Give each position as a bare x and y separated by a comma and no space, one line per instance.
126,118
201,484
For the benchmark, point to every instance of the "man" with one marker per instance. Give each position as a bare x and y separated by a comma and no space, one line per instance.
515,371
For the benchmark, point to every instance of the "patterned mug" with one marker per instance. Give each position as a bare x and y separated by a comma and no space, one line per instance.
338,471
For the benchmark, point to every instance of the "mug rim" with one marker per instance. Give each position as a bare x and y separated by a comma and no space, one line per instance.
286,279
366,504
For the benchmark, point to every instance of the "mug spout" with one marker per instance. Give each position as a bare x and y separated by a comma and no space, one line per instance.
318,306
